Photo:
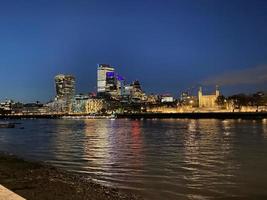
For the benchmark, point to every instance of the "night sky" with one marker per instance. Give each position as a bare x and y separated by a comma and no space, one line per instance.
168,45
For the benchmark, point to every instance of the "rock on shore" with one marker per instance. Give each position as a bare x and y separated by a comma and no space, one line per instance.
33,180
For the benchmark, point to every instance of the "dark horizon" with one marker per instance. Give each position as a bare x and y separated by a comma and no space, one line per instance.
169,46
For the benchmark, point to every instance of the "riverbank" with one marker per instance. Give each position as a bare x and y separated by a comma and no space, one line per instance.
197,115
34,180
188,115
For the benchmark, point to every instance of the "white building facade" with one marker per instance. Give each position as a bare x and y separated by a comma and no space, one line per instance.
102,71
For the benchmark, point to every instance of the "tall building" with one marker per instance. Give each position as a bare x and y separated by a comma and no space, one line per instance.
109,82
105,78
65,87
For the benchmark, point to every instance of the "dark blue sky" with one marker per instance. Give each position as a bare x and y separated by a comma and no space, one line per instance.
169,45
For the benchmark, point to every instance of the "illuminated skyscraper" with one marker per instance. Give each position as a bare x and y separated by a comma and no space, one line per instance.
65,87
108,82
105,78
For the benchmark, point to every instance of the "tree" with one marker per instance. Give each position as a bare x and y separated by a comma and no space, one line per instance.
221,100
240,100
258,99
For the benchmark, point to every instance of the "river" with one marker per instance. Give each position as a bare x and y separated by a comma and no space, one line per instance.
159,159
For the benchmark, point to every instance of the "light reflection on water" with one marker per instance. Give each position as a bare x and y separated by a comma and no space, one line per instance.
158,159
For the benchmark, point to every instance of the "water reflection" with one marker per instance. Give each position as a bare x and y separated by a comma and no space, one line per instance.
66,144
136,144
158,159
96,147
207,159
111,151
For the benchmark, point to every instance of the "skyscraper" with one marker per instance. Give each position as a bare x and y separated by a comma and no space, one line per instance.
109,83
105,78
65,87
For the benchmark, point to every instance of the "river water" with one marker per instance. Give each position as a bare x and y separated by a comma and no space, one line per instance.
159,159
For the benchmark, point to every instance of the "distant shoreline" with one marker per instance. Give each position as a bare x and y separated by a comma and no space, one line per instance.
192,115
197,115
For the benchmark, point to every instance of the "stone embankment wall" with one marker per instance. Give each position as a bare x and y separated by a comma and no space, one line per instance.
188,109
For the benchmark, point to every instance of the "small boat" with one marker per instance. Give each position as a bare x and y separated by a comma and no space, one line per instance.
7,125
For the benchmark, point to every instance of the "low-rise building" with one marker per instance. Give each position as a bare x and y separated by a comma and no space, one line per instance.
94,106
188,100
167,98
79,102
208,101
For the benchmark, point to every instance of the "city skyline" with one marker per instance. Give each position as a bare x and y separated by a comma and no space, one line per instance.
71,89
179,44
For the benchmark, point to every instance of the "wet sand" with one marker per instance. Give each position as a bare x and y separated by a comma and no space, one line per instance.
34,180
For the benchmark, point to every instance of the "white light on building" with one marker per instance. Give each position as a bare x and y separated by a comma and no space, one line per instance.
166,99
102,72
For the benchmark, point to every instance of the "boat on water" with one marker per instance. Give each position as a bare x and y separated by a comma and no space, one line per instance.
7,125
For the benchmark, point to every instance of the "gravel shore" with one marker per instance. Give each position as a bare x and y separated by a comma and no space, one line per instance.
33,180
